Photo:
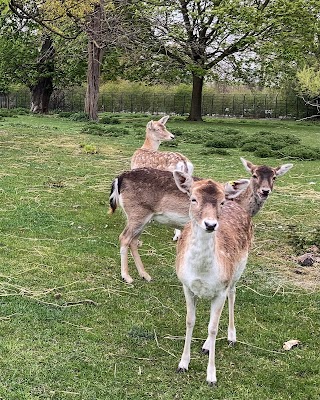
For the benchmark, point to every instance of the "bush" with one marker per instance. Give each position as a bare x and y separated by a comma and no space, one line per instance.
300,152
275,140
100,130
79,116
107,120
65,114
227,138
264,151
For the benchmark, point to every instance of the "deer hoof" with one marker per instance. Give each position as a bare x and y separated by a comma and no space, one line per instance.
231,343
127,279
212,384
181,370
204,351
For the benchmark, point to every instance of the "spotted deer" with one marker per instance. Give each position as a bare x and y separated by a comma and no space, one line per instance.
149,155
211,256
148,194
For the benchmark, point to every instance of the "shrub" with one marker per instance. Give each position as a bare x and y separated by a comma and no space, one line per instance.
107,120
264,151
65,114
227,138
275,140
79,116
300,152
100,130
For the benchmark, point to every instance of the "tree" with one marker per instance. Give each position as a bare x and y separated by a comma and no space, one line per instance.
31,56
206,37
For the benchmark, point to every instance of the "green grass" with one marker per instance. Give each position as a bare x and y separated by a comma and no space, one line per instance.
71,329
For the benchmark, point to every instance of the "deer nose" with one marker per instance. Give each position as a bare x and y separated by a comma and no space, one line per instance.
171,136
265,192
210,225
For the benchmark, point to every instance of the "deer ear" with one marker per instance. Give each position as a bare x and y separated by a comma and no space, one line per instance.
182,180
150,125
247,164
283,169
164,119
234,189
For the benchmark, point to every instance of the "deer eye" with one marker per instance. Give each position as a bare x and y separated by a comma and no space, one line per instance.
222,203
193,200
274,178
254,176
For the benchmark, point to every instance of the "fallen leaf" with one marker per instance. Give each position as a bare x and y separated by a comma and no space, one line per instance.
290,343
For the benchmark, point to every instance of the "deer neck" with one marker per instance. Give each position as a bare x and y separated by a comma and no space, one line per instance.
150,144
250,201
202,246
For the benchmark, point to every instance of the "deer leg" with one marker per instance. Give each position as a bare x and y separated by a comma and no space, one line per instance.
190,321
125,239
129,238
232,336
216,309
136,256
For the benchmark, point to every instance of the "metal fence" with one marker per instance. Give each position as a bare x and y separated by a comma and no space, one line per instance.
223,105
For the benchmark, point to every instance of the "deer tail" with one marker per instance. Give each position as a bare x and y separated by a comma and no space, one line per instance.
114,196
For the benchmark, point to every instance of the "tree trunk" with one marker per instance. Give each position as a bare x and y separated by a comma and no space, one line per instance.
42,90
196,98
95,55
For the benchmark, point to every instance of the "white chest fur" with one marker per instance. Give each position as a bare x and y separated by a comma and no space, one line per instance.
201,271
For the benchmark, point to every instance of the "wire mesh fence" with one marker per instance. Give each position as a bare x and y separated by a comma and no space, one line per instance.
220,105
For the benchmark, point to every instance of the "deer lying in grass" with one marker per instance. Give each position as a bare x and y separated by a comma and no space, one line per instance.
149,156
148,194
211,256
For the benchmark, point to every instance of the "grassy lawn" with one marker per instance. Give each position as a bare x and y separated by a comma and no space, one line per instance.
71,329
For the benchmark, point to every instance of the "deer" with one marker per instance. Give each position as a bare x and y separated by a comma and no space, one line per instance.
212,253
147,194
150,156
261,185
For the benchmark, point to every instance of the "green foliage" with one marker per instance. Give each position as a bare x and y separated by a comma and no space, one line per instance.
300,152
309,81
108,120
4,112
228,138
65,114
100,130
79,116
88,148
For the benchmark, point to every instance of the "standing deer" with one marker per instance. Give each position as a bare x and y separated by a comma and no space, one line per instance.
149,156
148,194
261,185
211,256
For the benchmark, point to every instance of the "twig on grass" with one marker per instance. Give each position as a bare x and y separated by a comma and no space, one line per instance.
260,348
160,347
